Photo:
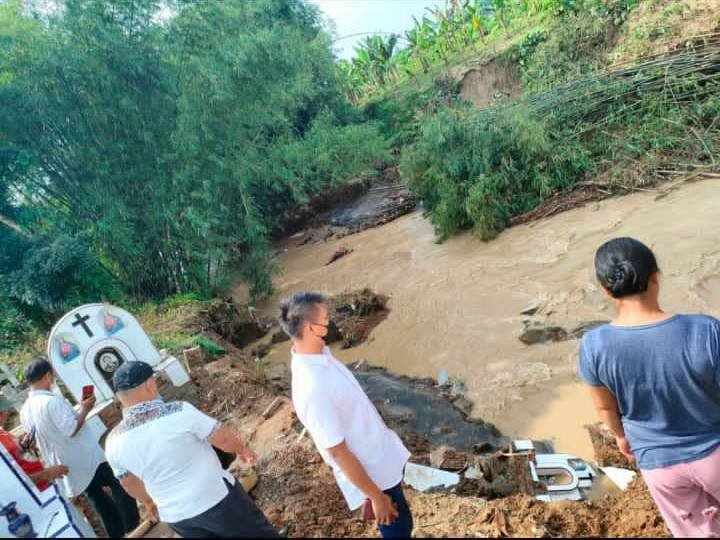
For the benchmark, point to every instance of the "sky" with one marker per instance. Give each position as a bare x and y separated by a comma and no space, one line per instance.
356,16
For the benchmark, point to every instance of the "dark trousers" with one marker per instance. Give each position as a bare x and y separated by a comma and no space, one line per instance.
403,525
119,514
236,516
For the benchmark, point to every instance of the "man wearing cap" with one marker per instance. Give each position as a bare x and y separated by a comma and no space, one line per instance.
163,455
63,439
40,476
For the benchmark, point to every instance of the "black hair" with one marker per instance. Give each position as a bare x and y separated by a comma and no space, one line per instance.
37,369
624,266
296,309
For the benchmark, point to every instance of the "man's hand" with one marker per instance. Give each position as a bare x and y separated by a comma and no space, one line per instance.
624,447
56,471
384,509
86,405
248,456
149,511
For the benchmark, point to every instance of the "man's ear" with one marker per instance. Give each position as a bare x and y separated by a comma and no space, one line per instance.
655,279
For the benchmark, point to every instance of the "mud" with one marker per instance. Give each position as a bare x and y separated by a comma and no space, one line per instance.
419,406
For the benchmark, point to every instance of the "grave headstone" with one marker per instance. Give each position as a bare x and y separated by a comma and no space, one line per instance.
88,344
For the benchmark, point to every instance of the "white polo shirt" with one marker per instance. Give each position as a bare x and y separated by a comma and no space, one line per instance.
332,405
54,421
166,446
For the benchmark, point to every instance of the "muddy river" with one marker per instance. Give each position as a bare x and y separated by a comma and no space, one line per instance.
458,305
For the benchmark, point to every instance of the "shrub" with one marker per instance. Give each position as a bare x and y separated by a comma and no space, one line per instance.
478,169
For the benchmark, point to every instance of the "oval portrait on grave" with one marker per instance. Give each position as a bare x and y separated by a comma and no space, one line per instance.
110,321
108,361
66,348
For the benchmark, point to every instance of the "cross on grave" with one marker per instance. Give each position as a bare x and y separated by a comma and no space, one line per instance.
81,322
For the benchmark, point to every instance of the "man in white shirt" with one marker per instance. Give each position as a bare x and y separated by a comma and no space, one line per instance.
63,439
163,455
367,458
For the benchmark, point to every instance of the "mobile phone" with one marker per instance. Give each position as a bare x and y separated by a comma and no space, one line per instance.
88,391
368,514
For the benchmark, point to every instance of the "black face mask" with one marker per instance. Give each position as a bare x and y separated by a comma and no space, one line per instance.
333,333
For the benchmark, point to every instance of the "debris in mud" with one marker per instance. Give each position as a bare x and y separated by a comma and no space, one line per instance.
193,357
310,213
448,459
498,475
417,406
392,207
356,314
537,332
606,449
580,195
239,327
339,254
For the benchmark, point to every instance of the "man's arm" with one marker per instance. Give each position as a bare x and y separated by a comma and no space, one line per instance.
609,413
86,406
225,439
50,474
136,489
384,508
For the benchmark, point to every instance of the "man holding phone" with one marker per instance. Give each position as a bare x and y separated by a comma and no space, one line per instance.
63,439
40,475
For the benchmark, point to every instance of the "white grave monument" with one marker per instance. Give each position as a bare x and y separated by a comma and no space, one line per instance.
89,343
49,512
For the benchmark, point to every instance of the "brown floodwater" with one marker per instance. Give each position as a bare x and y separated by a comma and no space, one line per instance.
458,305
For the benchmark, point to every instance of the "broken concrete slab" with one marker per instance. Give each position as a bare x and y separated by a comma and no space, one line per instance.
424,478
622,478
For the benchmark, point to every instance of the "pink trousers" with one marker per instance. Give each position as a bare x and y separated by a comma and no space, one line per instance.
688,496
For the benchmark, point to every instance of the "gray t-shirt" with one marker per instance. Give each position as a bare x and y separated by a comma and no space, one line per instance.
666,379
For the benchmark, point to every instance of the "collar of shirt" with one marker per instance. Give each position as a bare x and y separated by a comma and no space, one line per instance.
141,408
144,412
41,393
315,359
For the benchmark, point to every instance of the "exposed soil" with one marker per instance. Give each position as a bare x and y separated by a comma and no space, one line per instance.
490,82
606,449
239,327
356,314
307,215
376,206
